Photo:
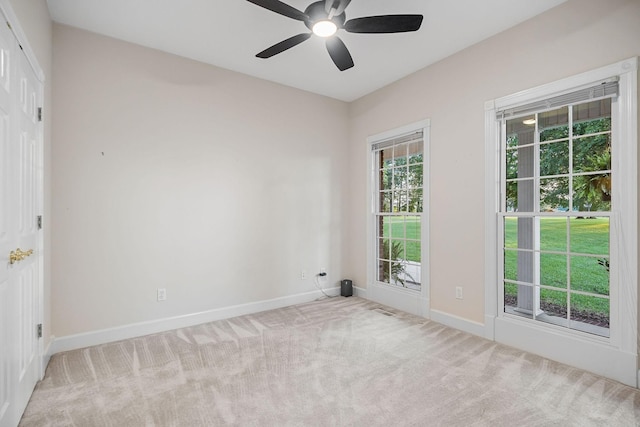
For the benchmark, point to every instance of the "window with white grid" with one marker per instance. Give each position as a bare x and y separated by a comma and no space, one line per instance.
398,171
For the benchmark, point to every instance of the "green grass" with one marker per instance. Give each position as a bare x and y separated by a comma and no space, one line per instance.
589,236
405,227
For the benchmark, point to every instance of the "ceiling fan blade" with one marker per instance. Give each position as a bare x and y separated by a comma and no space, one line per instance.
342,7
281,8
384,24
283,45
339,53
337,5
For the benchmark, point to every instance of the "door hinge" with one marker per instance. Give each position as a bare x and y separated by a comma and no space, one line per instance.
39,222
39,330
39,114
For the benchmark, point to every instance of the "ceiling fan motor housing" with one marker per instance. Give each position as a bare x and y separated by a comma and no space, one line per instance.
316,12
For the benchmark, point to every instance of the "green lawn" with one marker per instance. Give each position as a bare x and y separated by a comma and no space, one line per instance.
588,236
405,227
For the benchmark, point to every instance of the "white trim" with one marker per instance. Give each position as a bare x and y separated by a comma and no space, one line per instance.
492,179
459,323
360,292
599,358
616,357
46,355
565,85
118,333
5,7
400,298
414,302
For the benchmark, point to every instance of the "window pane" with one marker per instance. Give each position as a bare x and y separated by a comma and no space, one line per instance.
553,234
592,117
511,197
385,202
588,275
553,270
590,235
400,201
383,249
400,154
591,310
511,265
398,250
554,194
413,251
592,193
510,295
524,195
526,162
415,201
386,226
525,267
413,227
554,158
415,152
399,178
553,125
553,303
397,226
511,164
386,158
386,179
520,131
510,232
414,179
526,231
592,154
383,271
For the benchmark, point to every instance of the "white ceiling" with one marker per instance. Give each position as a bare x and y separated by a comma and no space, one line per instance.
228,34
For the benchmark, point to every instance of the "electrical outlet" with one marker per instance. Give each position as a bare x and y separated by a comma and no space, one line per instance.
162,294
458,292
303,275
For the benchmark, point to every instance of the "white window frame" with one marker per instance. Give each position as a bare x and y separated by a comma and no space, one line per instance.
617,356
411,301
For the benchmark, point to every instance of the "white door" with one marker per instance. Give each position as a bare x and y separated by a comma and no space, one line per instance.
20,291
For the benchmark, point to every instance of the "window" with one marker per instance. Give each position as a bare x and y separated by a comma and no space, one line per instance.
398,174
556,213
561,276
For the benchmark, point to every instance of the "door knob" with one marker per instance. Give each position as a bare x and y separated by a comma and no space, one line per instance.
18,255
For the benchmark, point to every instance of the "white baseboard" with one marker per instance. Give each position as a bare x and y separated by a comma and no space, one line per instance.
46,355
459,323
489,327
360,292
103,336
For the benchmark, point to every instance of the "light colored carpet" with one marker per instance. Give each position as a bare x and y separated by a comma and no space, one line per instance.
335,362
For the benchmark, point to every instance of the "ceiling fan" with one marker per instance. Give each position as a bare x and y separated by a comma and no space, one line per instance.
325,17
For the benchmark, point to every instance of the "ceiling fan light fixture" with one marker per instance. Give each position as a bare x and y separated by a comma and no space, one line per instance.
324,28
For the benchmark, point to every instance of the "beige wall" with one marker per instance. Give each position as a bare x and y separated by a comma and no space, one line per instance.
206,189
169,173
577,36
33,16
